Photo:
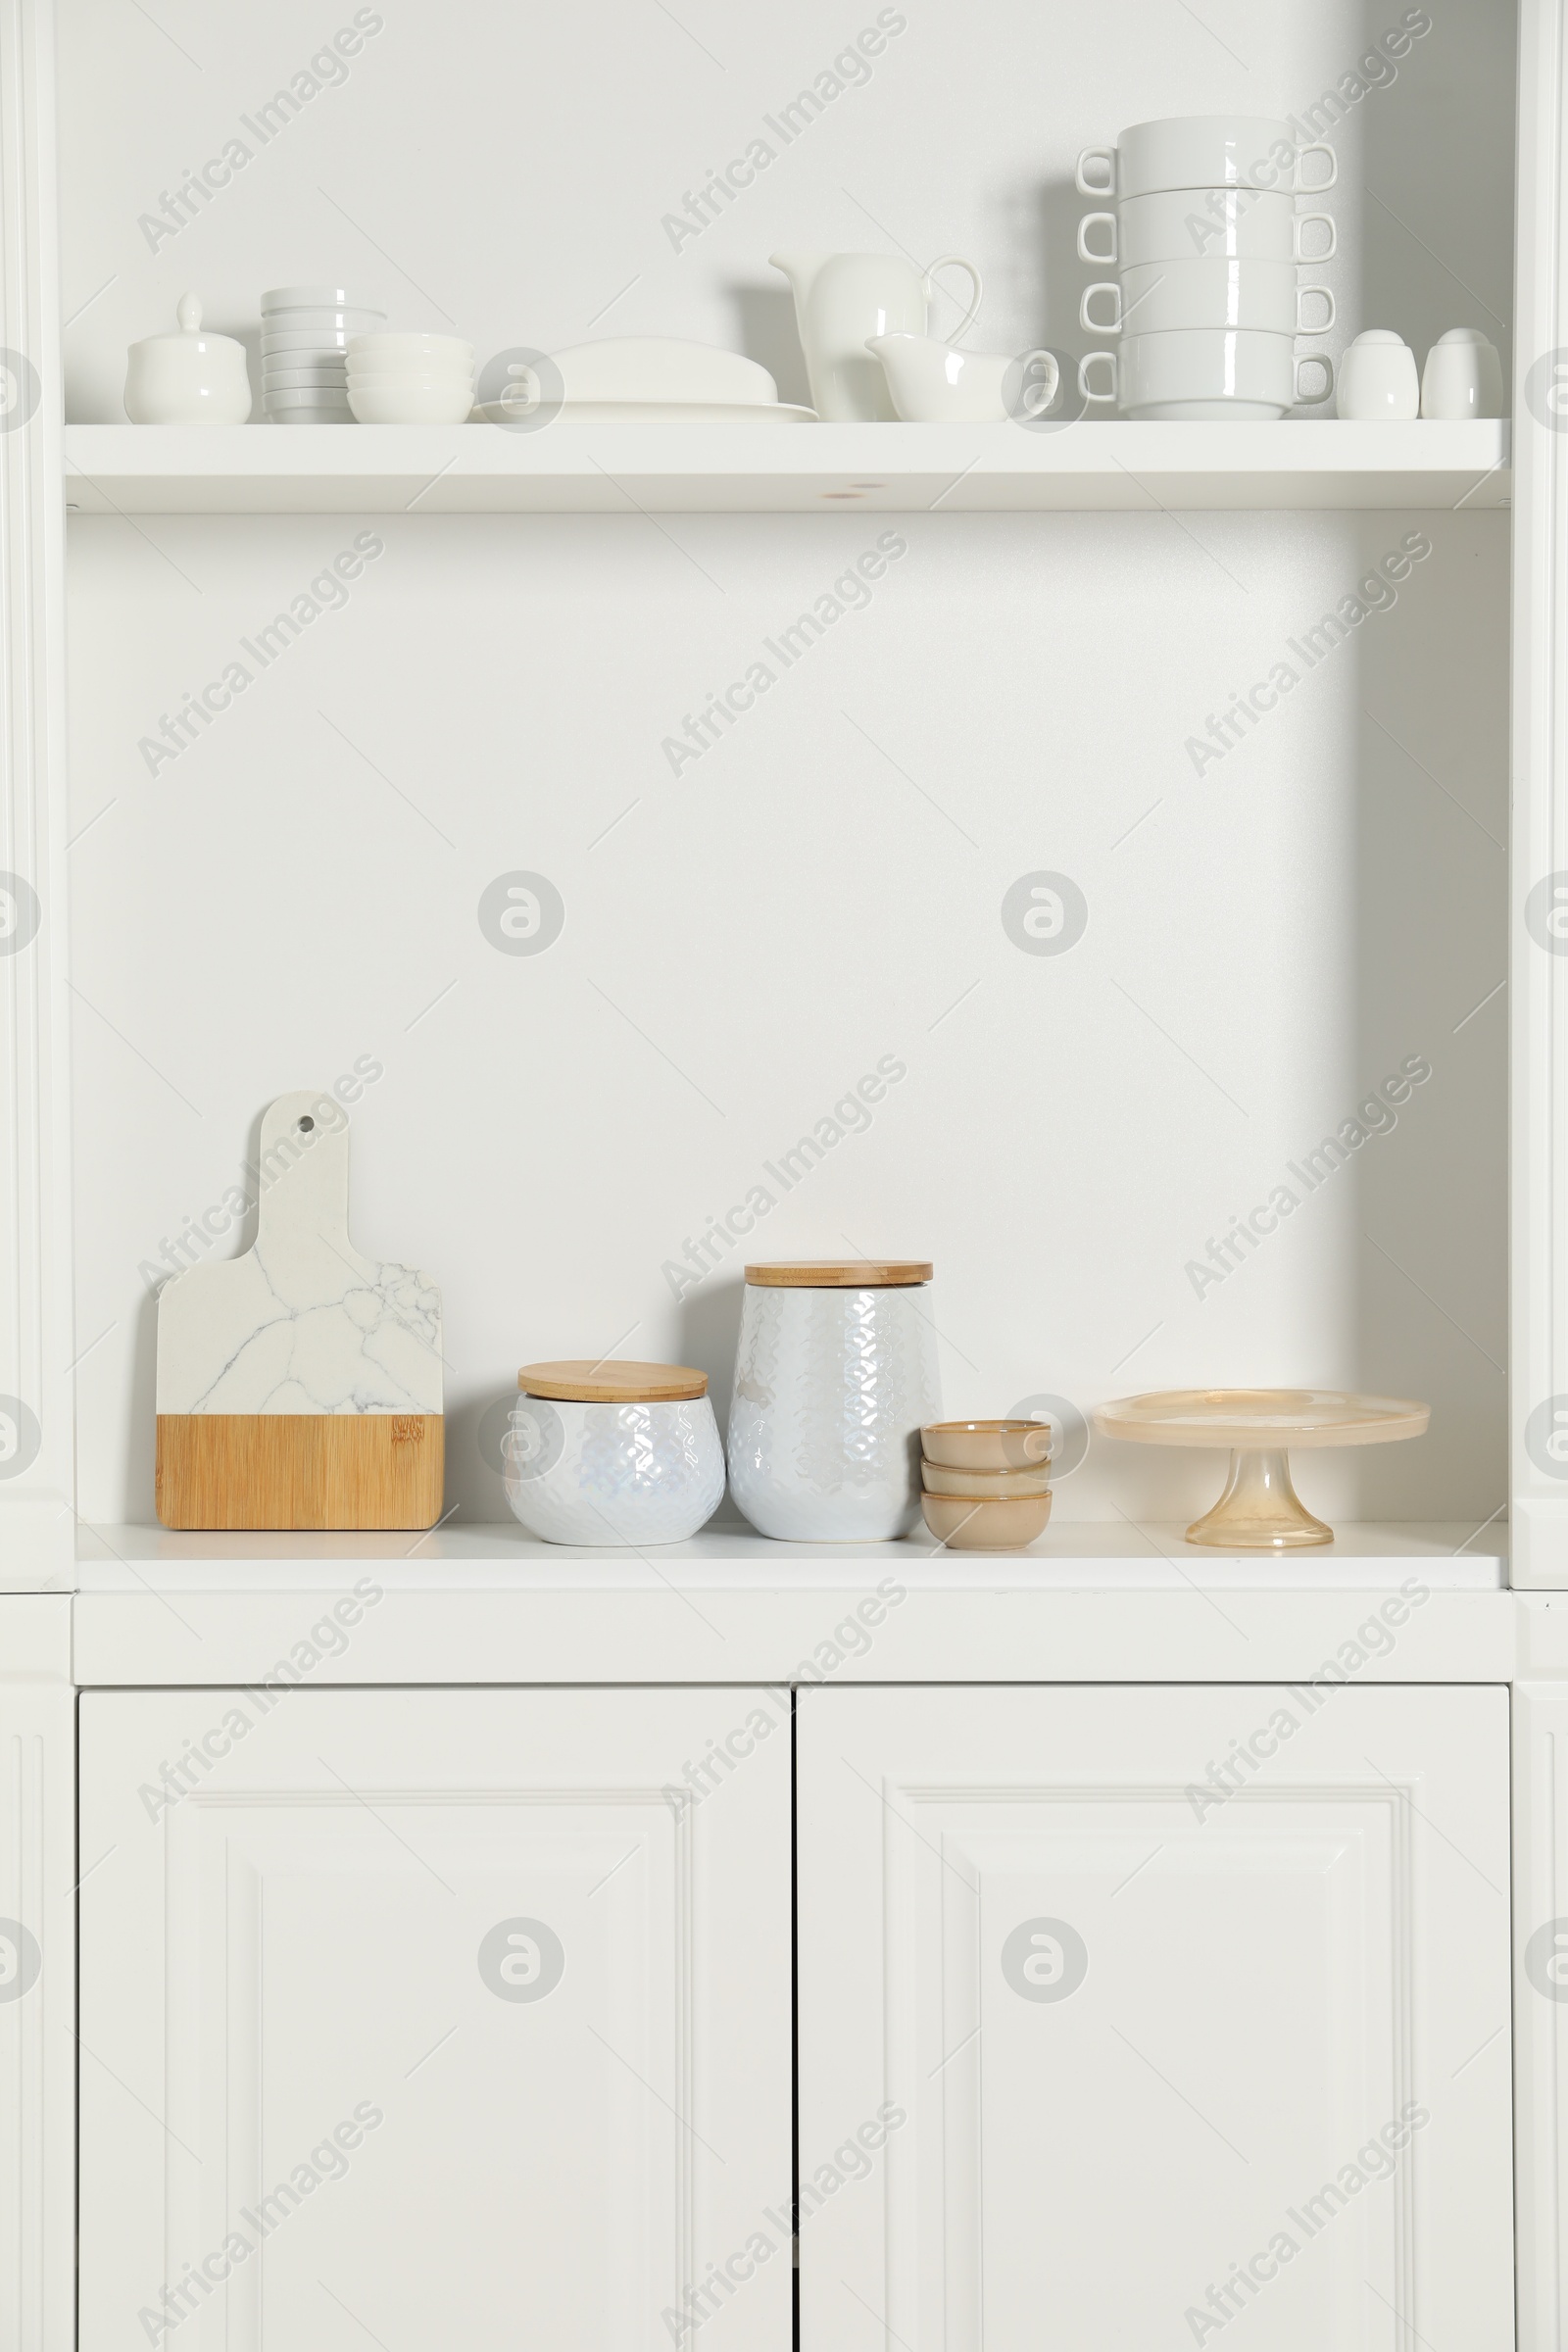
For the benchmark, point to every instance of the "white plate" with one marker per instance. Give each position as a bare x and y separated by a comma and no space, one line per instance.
313,339
314,297
329,403
327,324
662,370
656,412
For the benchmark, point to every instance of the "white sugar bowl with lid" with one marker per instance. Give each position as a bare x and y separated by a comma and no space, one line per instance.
836,1373
613,1452
188,377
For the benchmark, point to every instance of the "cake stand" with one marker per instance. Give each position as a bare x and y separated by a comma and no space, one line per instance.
1259,1509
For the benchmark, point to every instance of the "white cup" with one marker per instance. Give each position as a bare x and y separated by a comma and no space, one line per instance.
1162,297
1205,372
1378,379
1462,377
1203,151
1187,224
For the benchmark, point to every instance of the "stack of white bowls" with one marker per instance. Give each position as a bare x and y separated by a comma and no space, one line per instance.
306,331
411,379
1206,240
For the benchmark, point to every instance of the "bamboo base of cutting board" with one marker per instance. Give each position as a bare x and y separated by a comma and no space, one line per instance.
300,1470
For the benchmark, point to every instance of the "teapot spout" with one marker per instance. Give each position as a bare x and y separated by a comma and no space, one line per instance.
799,269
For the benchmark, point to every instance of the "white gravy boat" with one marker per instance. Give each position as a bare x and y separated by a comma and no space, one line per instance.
931,383
841,298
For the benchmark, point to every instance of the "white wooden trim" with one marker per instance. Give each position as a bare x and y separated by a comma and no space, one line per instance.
35,1325
38,2026
1540,979
1540,2021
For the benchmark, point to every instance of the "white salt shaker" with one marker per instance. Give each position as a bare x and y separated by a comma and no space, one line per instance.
1462,377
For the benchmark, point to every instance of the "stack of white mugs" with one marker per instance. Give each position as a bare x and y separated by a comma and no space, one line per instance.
1206,240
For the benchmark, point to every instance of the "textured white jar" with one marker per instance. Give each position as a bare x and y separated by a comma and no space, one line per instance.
634,1471
832,1386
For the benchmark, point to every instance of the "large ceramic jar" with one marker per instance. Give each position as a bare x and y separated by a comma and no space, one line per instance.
837,1371
613,1452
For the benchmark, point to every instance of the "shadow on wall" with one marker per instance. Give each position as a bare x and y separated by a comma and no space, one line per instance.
1430,938
1059,209
476,1424
768,335
1438,214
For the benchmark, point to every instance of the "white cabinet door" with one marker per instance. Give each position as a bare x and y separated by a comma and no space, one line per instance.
434,2018
1133,2018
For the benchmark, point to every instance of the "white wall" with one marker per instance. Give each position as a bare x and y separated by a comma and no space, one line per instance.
1276,936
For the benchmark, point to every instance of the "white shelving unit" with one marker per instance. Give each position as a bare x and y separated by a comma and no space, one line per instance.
1283,702
754,470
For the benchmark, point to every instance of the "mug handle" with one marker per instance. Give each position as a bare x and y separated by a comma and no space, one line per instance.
1323,324
1035,398
1107,186
1085,388
1319,188
1314,359
956,260
1090,220
1302,221
1108,285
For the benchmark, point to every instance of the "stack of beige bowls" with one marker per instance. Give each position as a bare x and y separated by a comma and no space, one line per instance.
411,379
986,1485
1206,240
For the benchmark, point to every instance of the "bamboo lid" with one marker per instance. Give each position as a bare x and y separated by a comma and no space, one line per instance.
586,1380
840,1274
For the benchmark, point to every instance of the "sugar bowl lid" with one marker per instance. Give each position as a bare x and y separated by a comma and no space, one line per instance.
597,1380
189,336
840,1273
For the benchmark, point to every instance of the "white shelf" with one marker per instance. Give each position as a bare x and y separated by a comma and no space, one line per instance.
1087,1555
1090,1602
742,469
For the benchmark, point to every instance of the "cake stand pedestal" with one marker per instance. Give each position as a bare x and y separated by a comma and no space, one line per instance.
1259,1509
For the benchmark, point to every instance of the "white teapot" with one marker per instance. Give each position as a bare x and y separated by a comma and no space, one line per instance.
187,378
841,299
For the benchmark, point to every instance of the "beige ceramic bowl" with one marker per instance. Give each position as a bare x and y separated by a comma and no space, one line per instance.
984,1486
987,1445
1004,1525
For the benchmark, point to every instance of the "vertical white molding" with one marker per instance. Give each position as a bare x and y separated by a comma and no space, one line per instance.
38,1978
1539,973
1541,2018
35,1305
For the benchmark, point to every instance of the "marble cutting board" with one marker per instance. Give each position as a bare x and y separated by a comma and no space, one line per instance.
299,1384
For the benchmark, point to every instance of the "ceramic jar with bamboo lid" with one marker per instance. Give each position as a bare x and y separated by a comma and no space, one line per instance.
836,1372
610,1452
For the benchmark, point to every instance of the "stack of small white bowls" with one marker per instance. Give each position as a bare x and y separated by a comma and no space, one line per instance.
306,332
1206,240
411,379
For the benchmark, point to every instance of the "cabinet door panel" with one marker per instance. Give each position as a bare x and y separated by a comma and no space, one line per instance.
1102,2051
428,2016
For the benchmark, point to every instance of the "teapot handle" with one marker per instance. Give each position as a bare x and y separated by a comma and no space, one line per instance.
956,260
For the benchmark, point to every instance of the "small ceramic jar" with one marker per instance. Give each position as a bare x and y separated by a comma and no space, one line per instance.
613,1452
836,1373
188,378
